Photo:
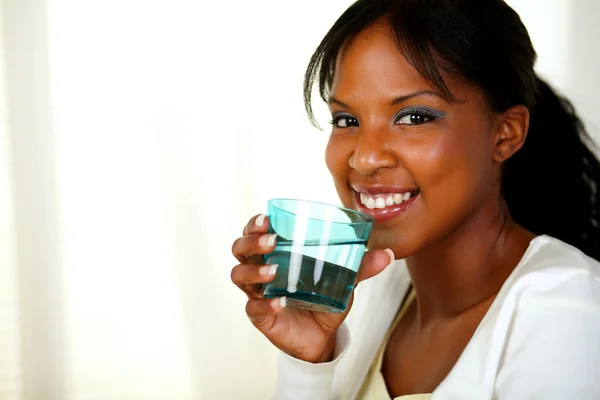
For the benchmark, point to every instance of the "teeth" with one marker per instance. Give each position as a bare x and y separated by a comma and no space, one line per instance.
370,203
383,201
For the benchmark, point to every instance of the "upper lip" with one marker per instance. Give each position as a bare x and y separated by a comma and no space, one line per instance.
383,189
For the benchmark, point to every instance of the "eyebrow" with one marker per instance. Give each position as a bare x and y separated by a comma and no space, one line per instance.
397,100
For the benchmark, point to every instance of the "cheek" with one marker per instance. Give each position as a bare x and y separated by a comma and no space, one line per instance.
450,165
337,154
333,156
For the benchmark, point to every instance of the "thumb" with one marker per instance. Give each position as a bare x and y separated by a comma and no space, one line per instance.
374,262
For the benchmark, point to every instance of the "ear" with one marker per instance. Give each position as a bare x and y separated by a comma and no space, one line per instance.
511,132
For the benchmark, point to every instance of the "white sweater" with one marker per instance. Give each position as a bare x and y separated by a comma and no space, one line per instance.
540,338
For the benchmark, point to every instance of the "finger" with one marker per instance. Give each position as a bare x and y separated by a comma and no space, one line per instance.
246,247
374,262
257,224
250,274
262,312
253,291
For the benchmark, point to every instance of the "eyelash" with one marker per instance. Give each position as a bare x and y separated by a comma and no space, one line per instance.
419,112
337,118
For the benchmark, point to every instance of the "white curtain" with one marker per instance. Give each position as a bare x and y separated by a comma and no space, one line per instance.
136,139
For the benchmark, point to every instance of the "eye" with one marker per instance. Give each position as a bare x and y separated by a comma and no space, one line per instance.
344,121
412,119
415,117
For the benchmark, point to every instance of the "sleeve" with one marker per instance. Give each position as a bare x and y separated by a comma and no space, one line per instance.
553,348
299,380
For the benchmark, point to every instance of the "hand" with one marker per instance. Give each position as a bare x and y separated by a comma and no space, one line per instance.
303,334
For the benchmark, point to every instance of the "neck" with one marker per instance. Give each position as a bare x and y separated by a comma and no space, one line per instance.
468,266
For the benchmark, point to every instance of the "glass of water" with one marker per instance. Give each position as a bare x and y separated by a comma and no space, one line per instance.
318,251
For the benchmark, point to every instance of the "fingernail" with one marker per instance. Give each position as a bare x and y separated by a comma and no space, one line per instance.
268,269
391,254
267,240
280,302
260,220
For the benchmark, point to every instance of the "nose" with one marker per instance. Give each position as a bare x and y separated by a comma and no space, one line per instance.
372,153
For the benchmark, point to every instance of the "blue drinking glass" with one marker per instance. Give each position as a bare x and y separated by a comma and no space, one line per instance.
318,251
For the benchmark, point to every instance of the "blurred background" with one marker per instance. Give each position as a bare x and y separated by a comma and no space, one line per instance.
136,140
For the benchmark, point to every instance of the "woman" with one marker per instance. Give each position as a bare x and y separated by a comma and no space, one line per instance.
492,296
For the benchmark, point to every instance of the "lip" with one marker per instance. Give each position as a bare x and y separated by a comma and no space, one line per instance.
388,213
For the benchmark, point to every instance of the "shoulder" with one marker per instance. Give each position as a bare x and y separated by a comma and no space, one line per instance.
553,268
553,281
547,252
551,343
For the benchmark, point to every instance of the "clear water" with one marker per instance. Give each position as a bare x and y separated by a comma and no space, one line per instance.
315,277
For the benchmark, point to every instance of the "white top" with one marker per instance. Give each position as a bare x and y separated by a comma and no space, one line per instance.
374,386
540,338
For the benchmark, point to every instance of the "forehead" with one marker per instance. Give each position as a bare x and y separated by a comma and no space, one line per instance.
371,65
373,61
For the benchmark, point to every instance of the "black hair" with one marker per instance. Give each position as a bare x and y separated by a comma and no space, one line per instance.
551,184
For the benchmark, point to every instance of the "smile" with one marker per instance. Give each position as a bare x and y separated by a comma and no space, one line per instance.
383,200
384,204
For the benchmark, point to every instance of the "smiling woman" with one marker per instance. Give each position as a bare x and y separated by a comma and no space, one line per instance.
443,133
402,136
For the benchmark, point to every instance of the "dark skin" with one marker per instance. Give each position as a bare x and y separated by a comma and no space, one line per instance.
393,129
458,238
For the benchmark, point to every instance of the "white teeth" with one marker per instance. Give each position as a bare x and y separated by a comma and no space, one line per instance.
382,201
370,203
